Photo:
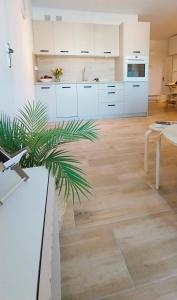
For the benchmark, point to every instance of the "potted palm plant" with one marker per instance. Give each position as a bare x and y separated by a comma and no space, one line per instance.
46,146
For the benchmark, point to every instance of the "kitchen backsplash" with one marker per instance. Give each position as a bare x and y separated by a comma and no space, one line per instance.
73,67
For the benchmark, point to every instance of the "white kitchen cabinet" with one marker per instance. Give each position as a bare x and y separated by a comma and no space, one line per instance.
64,38
66,95
84,39
87,100
116,41
173,45
43,37
46,94
136,97
111,99
106,40
135,38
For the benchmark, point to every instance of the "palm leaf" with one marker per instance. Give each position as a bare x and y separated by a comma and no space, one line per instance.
33,117
30,130
68,175
11,134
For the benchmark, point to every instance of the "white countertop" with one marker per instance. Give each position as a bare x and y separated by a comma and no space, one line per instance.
76,82
21,228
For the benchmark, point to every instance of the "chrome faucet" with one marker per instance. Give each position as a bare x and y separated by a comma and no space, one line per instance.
83,74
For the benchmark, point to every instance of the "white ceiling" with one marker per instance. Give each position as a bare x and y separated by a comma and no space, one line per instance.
161,13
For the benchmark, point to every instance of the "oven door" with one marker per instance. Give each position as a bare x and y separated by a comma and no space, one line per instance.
136,70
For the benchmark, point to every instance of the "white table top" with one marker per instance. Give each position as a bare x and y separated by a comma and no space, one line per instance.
21,228
170,133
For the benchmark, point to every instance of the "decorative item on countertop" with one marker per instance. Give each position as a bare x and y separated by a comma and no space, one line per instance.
46,78
57,73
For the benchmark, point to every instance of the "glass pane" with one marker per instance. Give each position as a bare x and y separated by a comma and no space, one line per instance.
136,70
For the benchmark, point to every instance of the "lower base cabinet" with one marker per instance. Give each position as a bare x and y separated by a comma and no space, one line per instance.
46,94
136,97
87,100
66,99
97,100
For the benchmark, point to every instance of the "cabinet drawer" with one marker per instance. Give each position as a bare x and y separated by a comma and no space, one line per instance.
115,86
111,95
111,108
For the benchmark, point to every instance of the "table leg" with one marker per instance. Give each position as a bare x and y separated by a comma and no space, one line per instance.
146,150
158,154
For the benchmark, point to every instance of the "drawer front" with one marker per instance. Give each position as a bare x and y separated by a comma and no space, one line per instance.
111,108
110,86
111,95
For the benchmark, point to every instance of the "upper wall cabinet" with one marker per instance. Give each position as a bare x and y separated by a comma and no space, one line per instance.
80,39
173,45
64,38
43,37
135,38
106,40
83,35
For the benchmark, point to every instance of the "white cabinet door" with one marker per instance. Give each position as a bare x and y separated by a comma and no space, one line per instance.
66,100
64,38
46,94
104,40
43,37
87,100
116,40
83,35
136,97
136,38
173,45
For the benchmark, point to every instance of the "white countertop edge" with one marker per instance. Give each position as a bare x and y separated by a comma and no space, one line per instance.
77,82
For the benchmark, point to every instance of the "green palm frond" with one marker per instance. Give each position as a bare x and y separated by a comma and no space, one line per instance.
12,134
33,117
29,130
68,176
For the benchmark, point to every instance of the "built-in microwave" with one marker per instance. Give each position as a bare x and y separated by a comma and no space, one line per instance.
136,68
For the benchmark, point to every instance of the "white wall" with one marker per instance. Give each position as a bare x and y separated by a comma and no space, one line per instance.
157,66
17,84
83,16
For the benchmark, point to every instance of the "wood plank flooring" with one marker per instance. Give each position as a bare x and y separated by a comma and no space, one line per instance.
122,243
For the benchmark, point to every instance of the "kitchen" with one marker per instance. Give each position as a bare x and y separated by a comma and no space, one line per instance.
105,68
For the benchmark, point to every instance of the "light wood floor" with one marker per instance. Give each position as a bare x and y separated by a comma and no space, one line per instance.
122,243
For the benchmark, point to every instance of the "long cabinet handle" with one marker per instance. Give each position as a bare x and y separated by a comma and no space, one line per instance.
45,87
87,86
107,52
111,93
111,105
64,51
66,87
84,51
136,85
137,51
44,50
111,86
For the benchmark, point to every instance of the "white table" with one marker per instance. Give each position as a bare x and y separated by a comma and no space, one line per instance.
170,133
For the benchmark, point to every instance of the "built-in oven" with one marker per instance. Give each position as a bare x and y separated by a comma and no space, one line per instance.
136,68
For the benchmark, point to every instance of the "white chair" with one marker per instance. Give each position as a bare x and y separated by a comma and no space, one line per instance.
152,128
